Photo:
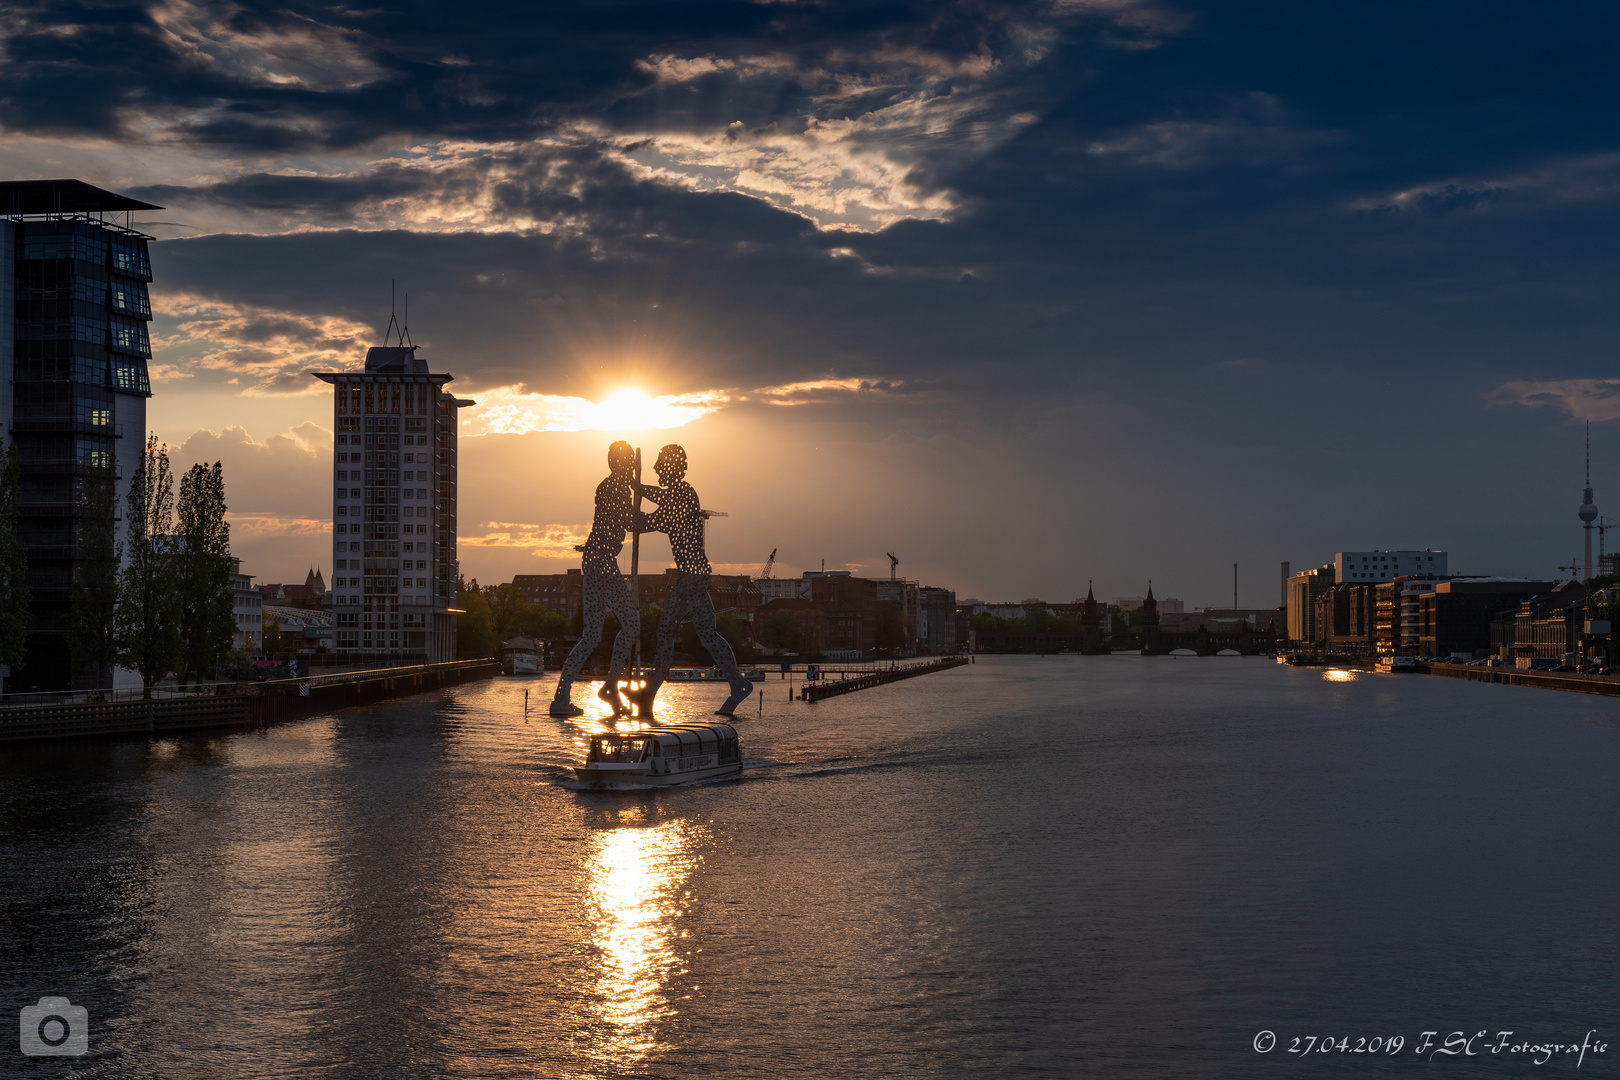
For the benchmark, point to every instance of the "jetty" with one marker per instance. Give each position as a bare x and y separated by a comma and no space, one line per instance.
818,690
33,718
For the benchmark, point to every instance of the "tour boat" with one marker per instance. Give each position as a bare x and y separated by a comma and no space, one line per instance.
521,656
662,756
1398,665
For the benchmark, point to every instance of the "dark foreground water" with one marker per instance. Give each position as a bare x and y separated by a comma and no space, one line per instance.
1073,866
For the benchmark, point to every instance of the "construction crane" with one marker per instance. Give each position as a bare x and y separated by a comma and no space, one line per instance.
894,564
765,571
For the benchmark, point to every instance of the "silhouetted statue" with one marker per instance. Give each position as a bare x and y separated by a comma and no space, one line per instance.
604,587
680,516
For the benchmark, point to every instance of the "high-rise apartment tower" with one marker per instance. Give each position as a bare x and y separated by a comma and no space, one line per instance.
394,509
73,385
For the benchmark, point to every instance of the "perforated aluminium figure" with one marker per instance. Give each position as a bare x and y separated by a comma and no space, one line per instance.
604,587
680,516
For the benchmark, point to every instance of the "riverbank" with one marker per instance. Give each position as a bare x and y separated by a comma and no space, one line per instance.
1604,685
231,705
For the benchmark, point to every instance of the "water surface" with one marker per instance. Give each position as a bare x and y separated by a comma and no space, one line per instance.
1070,866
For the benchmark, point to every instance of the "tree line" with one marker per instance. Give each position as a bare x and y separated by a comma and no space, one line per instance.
153,598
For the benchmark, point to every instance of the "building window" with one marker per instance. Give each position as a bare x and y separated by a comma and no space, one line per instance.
129,335
129,258
129,298
88,248
130,376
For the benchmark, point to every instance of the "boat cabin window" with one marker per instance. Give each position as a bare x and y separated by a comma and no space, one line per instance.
617,748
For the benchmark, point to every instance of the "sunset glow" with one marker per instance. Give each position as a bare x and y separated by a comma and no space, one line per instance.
505,411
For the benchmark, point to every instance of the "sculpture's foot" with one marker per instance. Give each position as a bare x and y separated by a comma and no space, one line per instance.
563,707
609,691
740,692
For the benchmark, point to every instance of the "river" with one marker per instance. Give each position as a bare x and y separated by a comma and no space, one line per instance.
1062,866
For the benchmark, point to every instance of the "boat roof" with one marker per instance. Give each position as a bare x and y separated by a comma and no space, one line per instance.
725,731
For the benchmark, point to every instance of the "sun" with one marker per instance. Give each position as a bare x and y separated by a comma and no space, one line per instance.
630,409
508,411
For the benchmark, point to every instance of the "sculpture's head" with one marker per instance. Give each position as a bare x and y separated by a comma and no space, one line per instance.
621,457
671,464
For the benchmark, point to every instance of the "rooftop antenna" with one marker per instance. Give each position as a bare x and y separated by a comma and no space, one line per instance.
393,323
405,327
894,564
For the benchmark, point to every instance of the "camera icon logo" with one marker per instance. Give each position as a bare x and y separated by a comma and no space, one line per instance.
54,1028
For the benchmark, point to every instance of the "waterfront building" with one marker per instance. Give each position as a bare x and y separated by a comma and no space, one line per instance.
1380,565
1396,615
784,588
1345,618
1548,626
1454,619
74,309
850,605
301,628
1304,590
936,624
560,593
248,608
902,596
394,561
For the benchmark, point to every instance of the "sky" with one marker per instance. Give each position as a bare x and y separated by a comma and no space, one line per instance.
1031,295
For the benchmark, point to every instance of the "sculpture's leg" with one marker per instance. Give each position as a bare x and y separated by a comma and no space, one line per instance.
703,621
622,605
669,623
590,637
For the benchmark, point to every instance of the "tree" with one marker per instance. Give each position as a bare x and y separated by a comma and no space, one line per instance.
783,631
94,592
275,642
146,622
14,591
891,627
507,608
729,627
475,628
207,618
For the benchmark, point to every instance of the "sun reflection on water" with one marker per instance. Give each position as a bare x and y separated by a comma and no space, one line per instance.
1338,675
637,876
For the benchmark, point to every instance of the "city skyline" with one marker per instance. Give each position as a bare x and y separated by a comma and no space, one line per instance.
1115,292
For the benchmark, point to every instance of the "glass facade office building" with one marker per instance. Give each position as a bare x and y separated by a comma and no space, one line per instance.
393,510
73,383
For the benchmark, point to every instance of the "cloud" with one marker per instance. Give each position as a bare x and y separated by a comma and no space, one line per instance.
819,391
1586,178
1582,399
543,541
256,473
246,527
1254,131
268,348
510,411
266,48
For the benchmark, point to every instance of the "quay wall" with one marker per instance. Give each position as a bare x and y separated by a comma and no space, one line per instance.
250,705
1606,686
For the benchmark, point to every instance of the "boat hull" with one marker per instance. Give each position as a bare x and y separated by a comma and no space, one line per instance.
644,776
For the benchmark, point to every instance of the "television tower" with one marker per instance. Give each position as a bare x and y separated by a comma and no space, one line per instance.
1588,512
